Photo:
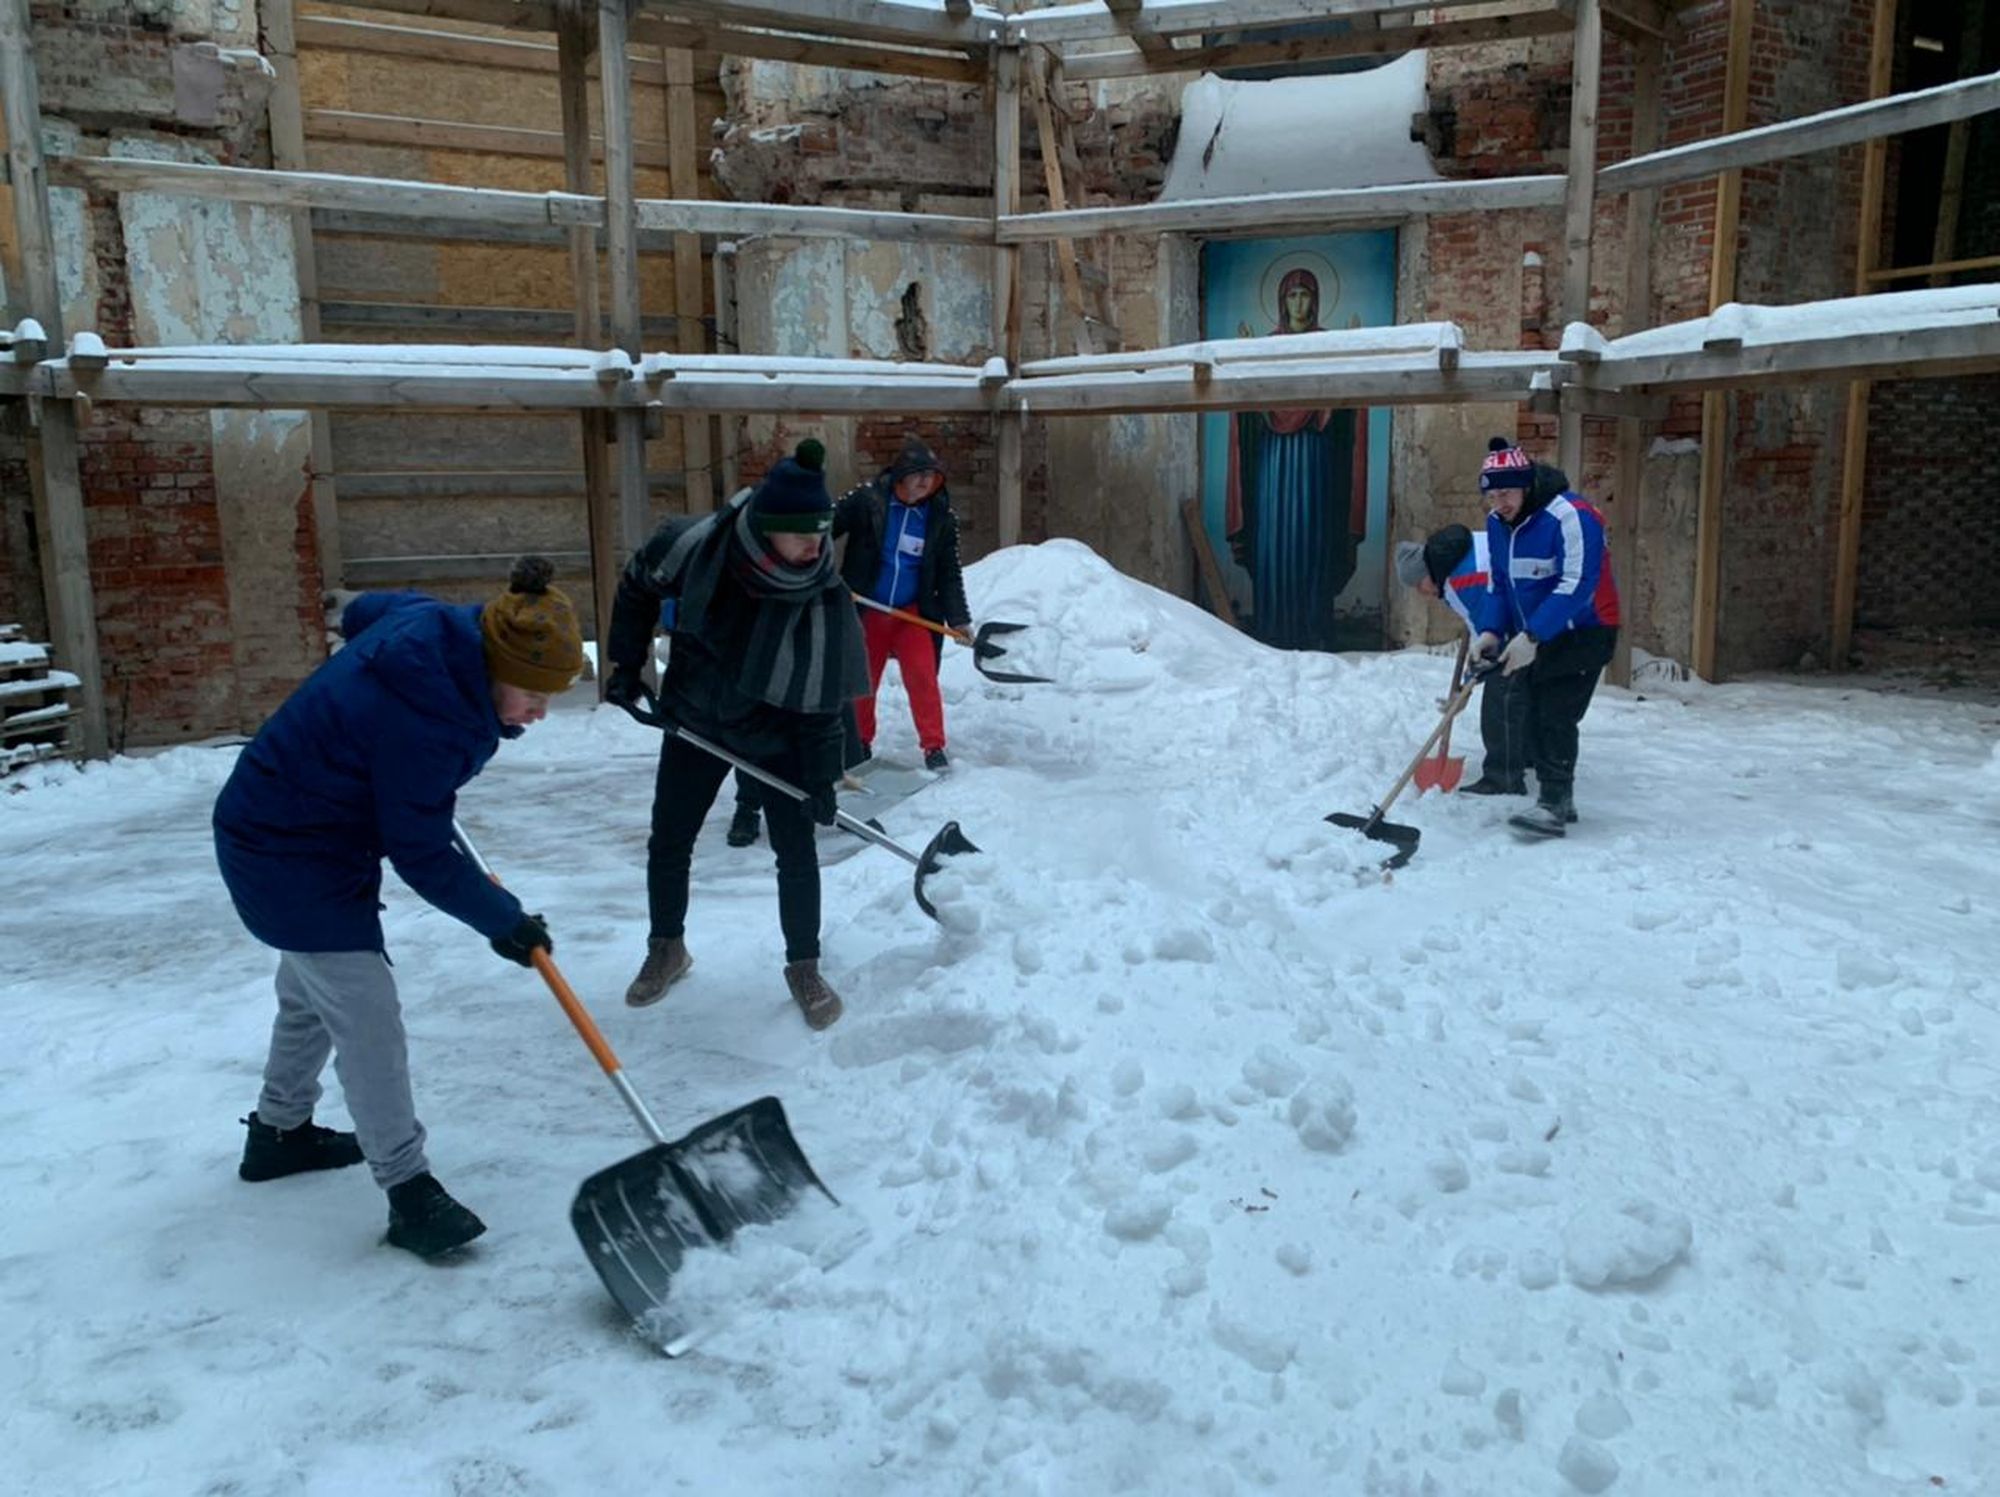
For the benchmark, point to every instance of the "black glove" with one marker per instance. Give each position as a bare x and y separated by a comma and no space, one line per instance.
520,943
822,804
624,687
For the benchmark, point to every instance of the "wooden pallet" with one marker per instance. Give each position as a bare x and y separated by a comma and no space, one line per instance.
35,712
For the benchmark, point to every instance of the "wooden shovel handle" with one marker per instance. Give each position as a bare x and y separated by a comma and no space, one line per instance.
1457,679
915,618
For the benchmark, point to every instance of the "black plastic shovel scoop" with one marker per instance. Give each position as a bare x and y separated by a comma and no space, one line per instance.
1404,838
638,1219
950,842
984,651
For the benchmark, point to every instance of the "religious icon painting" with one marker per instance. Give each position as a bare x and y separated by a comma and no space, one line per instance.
1296,501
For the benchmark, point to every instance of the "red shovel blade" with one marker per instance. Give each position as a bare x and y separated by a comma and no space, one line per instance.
1441,773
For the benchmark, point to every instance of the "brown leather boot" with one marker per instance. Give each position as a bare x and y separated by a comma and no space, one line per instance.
813,994
667,962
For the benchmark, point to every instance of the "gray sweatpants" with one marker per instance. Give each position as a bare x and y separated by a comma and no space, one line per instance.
343,1004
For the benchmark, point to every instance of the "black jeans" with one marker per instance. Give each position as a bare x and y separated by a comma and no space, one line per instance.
685,789
1559,686
1506,728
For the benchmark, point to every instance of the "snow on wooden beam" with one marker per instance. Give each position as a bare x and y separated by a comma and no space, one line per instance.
1271,209
1801,137
707,41
743,220
1095,19
1416,337
906,21
1398,34
496,207
1388,379
1908,334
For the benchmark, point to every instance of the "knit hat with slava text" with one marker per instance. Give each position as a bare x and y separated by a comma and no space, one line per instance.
530,631
1506,467
793,495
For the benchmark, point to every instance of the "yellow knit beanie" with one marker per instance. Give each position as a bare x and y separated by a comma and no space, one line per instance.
530,631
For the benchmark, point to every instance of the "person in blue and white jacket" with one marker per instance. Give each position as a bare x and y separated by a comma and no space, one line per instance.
1552,598
1452,566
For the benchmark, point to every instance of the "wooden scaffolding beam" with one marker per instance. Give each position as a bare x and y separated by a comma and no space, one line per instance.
53,460
1628,507
690,285
1009,426
575,45
1580,203
621,218
1715,440
1854,442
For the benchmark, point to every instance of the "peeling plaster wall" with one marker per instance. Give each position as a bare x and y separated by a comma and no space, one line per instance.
202,553
218,272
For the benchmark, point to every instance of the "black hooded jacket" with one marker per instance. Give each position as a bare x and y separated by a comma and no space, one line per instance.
862,516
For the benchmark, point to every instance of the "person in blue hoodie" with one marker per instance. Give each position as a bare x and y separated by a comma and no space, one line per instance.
902,552
1552,599
364,762
1453,565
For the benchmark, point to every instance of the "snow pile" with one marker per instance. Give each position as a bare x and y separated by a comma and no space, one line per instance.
1300,134
1188,1153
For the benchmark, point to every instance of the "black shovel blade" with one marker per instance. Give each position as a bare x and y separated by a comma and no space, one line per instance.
638,1220
1402,838
948,843
983,650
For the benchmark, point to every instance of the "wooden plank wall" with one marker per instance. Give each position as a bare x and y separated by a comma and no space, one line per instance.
460,487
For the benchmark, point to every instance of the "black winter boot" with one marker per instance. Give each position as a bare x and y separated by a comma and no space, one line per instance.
1487,785
935,761
425,1220
743,826
1552,814
812,993
272,1153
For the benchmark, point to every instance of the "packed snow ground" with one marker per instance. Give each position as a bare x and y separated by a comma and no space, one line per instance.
1186,1155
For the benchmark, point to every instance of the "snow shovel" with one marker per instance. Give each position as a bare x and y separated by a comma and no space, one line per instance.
983,648
1404,838
637,1219
948,843
1447,769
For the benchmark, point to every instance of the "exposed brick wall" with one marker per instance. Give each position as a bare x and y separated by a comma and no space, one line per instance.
1928,537
176,664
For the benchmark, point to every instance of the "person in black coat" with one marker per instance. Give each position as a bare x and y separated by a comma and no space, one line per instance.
765,653
364,762
902,552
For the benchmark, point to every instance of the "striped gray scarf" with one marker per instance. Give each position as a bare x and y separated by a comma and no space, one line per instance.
805,652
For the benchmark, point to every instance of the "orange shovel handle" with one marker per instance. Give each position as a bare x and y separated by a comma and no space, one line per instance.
915,618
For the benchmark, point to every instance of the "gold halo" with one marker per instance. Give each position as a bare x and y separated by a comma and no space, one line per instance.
1284,265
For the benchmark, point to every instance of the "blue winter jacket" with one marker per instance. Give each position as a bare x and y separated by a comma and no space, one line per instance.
1550,571
362,762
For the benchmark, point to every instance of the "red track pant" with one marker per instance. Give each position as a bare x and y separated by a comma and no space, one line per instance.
915,650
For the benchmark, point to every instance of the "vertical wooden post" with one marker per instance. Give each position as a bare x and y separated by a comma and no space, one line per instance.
1007,425
574,41
621,238
1627,517
288,153
66,547
683,181
723,267
1580,204
1854,443
1951,195
1715,403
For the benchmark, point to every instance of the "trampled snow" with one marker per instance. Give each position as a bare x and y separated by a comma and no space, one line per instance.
1187,1154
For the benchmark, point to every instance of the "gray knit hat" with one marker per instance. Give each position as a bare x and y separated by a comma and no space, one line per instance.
1409,562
